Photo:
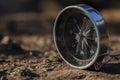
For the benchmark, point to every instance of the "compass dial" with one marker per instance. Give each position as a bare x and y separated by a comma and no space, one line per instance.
80,36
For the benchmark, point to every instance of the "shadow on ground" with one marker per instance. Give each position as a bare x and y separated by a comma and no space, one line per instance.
111,68
14,49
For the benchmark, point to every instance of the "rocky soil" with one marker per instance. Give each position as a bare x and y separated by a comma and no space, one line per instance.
34,57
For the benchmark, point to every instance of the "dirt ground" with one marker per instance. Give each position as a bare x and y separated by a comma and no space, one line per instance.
34,57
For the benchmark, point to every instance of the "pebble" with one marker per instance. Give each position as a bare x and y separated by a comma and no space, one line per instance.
29,73
5,40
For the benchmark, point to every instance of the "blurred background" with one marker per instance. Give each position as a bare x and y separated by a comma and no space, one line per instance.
18,17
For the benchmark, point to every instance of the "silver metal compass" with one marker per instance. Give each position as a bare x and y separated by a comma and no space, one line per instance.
81,37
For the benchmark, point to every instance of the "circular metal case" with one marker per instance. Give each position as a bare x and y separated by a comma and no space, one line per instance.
80,36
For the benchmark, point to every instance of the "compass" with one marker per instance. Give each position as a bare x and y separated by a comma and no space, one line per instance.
81,37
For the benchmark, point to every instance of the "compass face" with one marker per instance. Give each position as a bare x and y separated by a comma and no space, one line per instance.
80,36
77,34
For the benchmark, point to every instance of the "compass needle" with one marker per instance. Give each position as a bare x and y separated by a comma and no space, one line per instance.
86,42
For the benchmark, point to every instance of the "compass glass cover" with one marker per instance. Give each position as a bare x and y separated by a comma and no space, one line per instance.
76,37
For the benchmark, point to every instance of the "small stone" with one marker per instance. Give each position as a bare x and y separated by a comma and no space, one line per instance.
30,53
5,40
3,72
79,77
29,73
4,78
50,68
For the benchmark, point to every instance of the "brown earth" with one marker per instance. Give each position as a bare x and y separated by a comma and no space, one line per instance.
34,57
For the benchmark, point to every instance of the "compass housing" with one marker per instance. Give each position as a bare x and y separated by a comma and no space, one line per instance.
80,36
